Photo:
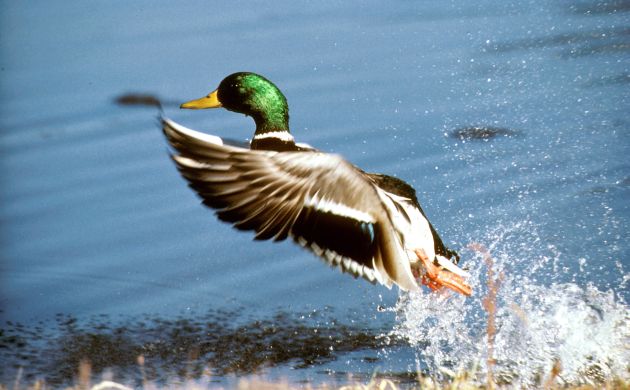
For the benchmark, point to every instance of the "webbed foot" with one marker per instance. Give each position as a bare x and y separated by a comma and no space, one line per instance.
435,277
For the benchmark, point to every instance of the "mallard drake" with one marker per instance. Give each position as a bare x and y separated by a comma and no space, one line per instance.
369,225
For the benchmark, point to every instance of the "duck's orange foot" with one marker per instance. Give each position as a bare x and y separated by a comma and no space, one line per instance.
436,277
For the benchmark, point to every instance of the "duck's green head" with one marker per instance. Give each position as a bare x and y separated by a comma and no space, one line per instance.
250,94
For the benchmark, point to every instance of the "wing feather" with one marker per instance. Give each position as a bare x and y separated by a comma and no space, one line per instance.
323,202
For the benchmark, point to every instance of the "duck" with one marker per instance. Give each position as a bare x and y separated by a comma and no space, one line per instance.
366,224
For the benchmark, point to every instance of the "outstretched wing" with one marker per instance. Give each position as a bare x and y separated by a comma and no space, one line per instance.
324,203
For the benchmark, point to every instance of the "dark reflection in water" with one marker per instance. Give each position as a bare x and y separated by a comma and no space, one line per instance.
623,78
606,48
482,133
220,343
138,99
590,42
599,7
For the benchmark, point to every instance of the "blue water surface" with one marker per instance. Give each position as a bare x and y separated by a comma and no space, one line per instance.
95,219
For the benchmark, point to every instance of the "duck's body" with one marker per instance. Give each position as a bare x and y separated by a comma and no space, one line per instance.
369,225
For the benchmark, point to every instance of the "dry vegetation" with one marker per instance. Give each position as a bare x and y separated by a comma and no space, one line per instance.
456,381
464,380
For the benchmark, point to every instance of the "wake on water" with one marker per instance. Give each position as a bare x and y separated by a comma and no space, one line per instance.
583,329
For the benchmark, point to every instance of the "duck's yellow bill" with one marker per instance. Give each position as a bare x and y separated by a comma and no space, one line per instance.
210,101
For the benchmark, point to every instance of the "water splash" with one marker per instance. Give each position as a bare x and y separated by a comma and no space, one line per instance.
538,325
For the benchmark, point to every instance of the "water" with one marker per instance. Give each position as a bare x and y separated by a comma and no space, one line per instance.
537,324
105,249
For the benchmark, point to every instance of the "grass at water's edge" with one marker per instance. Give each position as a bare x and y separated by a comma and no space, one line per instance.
86,379
459,381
